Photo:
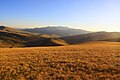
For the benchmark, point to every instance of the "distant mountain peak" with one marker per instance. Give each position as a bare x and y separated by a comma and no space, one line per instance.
58,30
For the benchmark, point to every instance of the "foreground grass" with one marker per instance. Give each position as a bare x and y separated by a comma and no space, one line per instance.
89,61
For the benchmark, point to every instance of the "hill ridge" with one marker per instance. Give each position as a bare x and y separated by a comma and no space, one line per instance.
57,30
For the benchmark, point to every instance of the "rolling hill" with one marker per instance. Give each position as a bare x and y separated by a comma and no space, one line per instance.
97,36
10,37
60,31
15,31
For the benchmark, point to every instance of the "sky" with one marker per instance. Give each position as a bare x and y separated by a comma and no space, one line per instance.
91,15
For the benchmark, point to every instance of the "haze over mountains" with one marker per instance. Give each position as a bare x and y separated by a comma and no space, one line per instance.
59,30
51,36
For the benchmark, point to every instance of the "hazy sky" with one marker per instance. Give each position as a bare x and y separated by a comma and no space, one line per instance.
92,15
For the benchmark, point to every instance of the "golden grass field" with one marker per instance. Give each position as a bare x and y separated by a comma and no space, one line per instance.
87,61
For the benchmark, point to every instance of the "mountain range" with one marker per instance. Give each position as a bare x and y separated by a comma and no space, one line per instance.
59,30
10,37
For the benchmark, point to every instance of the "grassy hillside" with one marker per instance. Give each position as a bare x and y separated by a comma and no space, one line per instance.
10,37
14,31
97,36
16,40
89,61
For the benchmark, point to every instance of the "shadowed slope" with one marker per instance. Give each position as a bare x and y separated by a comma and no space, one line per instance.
98,36
10,37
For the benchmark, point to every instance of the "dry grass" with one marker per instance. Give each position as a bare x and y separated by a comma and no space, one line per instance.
92,61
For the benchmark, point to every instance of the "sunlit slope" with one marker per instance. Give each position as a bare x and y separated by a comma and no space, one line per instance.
88,61
14,31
